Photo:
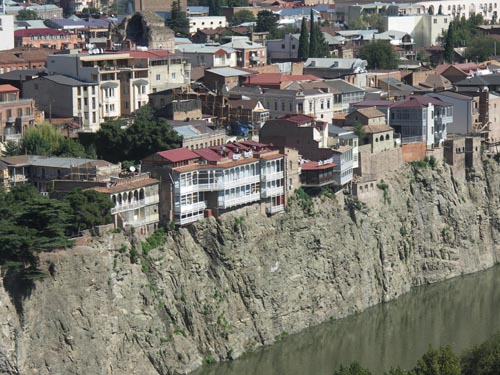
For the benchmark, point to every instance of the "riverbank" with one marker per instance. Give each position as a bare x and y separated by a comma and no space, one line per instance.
226,286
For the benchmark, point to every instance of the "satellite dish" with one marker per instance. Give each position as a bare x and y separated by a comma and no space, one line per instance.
132,169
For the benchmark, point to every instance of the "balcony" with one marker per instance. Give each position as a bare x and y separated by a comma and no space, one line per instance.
275,209
148,220
216,186
127,206
18,179
272,191
189,208
189,220
238,201
272,176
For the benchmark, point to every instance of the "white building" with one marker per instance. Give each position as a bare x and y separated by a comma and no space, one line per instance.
208,56
284,49
6,32
426,30
317,103
209,22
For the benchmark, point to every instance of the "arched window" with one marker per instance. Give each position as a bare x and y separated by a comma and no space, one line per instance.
141,194
387,137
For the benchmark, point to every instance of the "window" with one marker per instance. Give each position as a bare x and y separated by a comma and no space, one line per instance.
36,86
446,20
158,77
19,112
27,111
282,46
111,107
93,117
173,75
435,21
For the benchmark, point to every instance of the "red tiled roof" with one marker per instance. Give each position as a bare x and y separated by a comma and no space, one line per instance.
178,154
313,165
298,118
418,101
8,88
30,32
209,154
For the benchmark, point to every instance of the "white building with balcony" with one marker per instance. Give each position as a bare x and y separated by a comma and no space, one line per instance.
136,202
221,178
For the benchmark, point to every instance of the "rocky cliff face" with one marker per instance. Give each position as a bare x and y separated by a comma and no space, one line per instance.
225,286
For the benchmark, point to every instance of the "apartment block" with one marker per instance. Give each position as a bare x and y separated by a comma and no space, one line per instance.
16,114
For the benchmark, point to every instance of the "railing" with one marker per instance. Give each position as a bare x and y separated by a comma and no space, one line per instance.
148,220
417,139
231,202
135,204
272,192
19,178
272,176
275,209
188,220
187,208
216,186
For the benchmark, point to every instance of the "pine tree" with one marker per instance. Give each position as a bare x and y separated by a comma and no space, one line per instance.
214,8
178,21
303,41
313,38
449,43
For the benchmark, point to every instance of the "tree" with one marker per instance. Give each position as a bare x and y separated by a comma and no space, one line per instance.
26,15
353,369
178,21
449,43
379,54
47,141
243,16
303,51
368,21
89,208
115,142
29,224
313,38
11,148
440,361
480,48
483,359
214,7
266,21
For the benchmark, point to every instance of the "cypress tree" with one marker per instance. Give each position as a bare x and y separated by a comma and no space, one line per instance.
449,43
303,41
313,38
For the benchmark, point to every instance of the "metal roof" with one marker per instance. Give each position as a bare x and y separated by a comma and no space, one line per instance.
229,72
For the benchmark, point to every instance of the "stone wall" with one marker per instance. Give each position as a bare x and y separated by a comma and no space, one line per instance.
377,165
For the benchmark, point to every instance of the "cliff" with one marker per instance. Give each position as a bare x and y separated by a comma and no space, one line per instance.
225,286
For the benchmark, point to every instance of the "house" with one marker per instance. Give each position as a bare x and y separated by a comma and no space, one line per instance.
394,88
381,105
286,49
334,67
314,102
345,137
422,118
366,116
48,38
136,202
220,79
216,179
197,134
165,69
487,82
344,94
208,56
206,22
16,114
250,111
209,35
197,11
310,138
20,59
45,172
66,97
248,53
457,72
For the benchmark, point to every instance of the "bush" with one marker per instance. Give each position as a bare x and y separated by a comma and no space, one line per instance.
304,200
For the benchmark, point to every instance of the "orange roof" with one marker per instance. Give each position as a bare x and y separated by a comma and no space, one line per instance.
8,88
313,165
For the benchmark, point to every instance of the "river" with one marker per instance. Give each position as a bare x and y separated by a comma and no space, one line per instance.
461,312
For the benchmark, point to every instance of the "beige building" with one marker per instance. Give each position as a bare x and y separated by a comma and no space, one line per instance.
15,114
62,96
122,87
366,116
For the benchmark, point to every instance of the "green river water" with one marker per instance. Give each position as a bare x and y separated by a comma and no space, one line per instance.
461,312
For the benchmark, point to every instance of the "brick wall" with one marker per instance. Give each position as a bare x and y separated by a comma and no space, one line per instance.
413,151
